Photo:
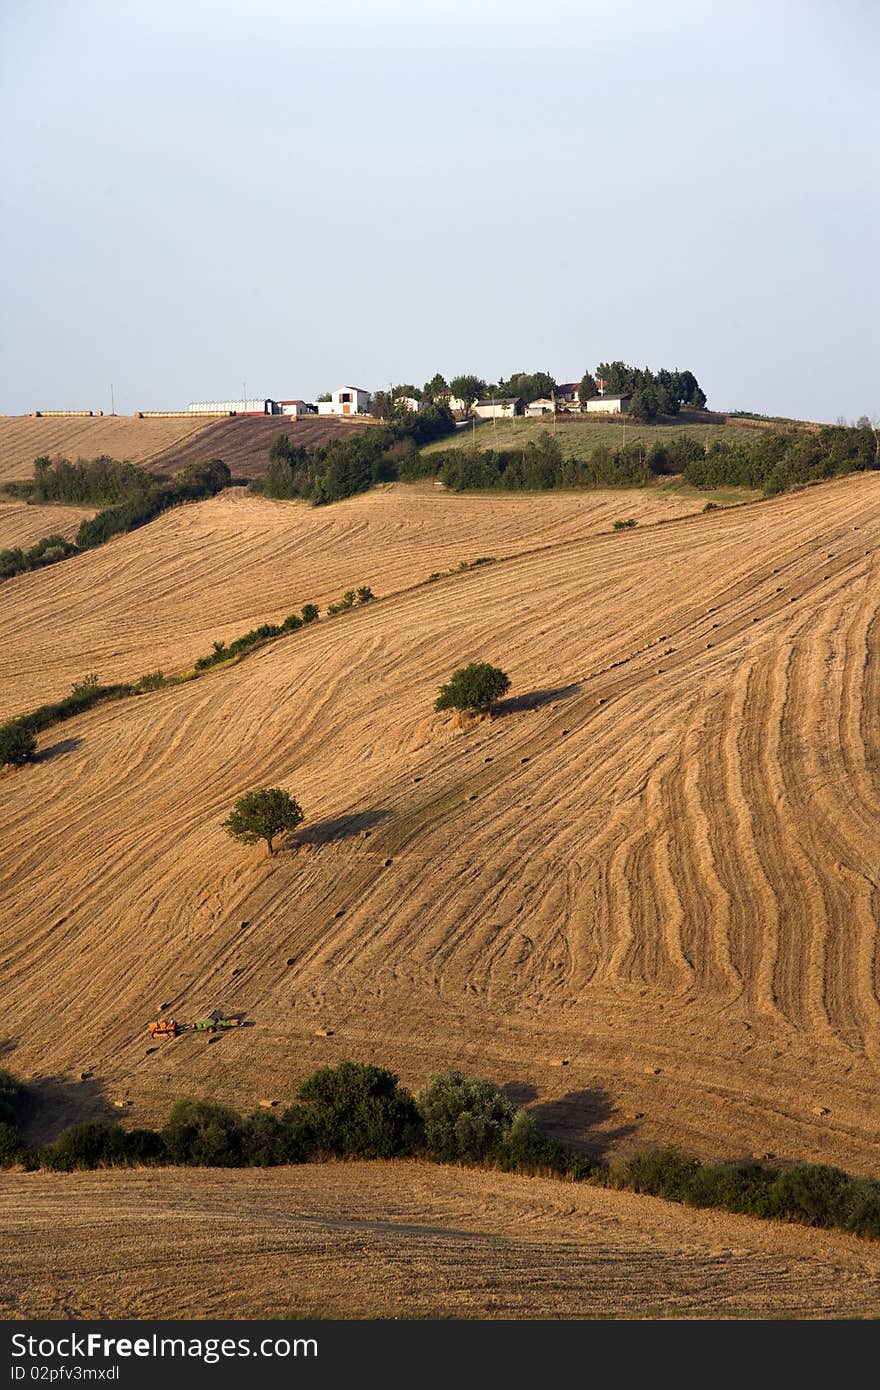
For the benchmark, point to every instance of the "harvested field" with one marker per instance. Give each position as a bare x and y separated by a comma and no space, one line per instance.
400,1240
645,895
24,525
160,596
243,442
24,438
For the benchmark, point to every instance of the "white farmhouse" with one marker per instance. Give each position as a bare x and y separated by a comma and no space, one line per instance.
611,403
297,408
500,409
346,400
409,402
543,406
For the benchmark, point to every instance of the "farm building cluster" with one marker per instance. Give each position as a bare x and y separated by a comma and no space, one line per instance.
354,400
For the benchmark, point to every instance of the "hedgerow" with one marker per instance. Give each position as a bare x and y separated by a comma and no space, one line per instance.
357,1110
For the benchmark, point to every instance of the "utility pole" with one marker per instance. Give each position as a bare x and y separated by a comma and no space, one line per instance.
112,400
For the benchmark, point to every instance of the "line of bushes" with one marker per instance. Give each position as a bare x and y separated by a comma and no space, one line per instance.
356,1110
46,552
18,742
329,472
137,498
774,461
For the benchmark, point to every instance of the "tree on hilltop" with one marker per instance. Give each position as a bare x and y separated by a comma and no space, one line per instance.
263,814
467,389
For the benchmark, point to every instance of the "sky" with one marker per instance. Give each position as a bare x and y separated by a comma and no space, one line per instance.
207,194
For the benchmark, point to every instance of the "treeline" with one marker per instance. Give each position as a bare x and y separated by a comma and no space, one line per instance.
137,497
355,1110
663,392
772,462
329,472
776,461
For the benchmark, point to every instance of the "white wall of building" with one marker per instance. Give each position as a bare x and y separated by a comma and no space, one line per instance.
608,405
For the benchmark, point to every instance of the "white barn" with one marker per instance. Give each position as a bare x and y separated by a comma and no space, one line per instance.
543,406
297,408
499,409
611,403
346,400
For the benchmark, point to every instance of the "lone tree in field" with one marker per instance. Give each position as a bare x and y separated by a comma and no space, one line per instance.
476,686
263,814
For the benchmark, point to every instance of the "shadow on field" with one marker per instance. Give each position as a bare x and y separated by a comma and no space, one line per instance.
55,750
324,832
56,1102
574,1119
535,699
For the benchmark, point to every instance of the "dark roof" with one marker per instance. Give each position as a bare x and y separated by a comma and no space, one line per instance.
612,396
500,400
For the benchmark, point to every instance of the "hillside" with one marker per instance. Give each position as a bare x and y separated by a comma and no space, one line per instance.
363,1240
579,435
212,570
25,437
23,525
243,442
657,865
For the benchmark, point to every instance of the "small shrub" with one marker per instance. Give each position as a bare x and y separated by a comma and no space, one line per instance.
153,680
661,1173
86,687
476,686
10,1145
711,507
204,1135
17,742
468,1121
365,594
94,1144
291,622
624,525
310,613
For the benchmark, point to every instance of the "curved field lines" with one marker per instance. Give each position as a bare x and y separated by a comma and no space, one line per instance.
645,892
25,437
159,597
23,525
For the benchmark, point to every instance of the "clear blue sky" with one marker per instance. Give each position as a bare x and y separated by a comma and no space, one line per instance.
201,194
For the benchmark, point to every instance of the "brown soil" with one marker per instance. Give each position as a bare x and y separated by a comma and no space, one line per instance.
243,442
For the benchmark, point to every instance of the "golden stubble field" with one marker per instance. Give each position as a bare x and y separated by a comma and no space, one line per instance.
644,896
159,597
25,437
23,525
392,1240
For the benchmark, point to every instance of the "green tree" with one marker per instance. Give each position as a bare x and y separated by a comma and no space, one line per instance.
310,612
381,405
587,389
434,389
467,389
17,742
358,1110
263,814
465,1120
476,686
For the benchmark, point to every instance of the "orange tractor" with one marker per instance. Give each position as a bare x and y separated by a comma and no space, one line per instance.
164,1028
169,1027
